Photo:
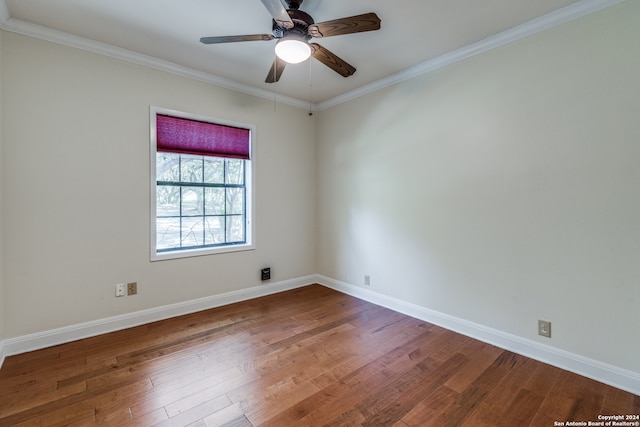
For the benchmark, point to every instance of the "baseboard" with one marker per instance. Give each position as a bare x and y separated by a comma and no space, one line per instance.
66,334
599,371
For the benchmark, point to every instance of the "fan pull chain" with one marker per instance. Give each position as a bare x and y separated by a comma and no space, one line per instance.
274,92
310,87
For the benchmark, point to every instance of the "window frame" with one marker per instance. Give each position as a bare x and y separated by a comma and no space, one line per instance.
249,188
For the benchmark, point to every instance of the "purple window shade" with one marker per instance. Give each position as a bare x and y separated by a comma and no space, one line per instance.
185,136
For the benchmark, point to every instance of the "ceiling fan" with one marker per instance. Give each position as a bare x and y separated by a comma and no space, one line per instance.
294,28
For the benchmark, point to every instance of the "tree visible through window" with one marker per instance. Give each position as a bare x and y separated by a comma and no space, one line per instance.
201,201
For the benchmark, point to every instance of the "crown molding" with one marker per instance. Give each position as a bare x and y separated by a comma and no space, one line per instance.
558,17
59,37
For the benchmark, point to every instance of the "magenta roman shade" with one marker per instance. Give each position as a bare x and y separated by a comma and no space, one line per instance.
185,136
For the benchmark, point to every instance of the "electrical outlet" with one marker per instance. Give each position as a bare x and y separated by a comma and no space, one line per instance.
367,280
265,273
120,290
132,288
544,328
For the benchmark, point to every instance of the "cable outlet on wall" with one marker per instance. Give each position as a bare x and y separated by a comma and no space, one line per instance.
132,288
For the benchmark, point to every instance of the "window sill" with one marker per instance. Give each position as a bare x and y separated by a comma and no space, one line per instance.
189,253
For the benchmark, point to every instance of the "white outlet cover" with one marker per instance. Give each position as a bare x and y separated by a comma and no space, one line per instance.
120,289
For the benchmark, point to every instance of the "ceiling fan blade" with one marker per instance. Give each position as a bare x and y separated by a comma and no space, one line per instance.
276,71
279,13
332,61
349,25
232,39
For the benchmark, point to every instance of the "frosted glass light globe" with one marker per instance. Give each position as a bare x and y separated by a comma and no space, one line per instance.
293,50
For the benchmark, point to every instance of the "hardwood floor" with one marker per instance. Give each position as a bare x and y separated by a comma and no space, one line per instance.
307,357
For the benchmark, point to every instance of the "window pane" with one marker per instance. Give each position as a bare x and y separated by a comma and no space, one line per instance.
192,231
167,167
235,171
167,200
214,201
235,228
190,168
213,170
167,233
214,230
192,201
235,201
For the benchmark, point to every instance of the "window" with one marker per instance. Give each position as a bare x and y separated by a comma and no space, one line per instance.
201,185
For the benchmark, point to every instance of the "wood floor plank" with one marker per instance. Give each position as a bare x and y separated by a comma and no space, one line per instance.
432,409
79,412
353,394
495,408
522,408
36,396
196,413
482,357
232,415
307,357
407,390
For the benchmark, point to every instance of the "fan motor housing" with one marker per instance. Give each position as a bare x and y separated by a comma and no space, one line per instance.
301,21
294,4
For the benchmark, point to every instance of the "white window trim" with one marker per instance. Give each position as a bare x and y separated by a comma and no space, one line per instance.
187,253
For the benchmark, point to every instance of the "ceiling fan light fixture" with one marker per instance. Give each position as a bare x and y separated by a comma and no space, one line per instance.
293,50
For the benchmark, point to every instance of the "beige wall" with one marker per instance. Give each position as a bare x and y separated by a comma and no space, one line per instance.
76,199
502,189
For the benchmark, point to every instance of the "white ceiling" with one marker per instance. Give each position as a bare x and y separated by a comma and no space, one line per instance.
415,36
